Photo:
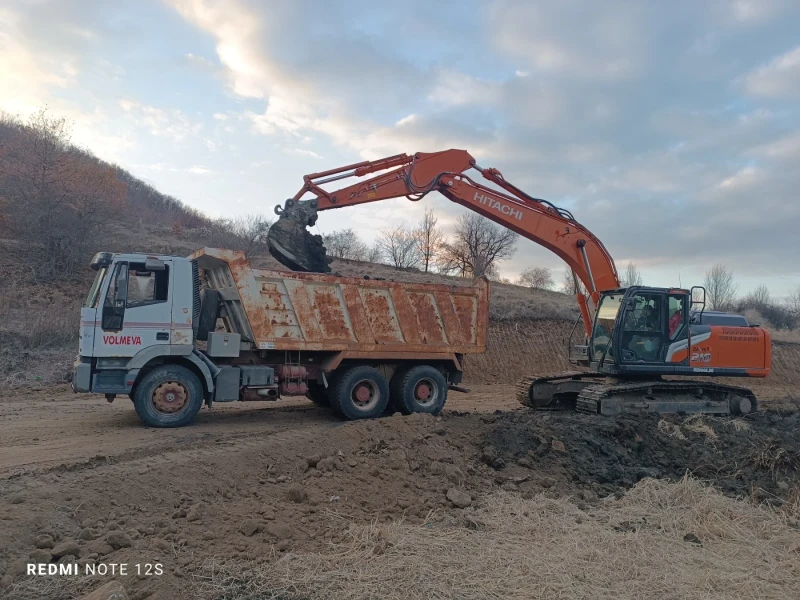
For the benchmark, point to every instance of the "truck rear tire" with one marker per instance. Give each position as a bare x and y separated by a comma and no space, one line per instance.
421,389
168,396
360,393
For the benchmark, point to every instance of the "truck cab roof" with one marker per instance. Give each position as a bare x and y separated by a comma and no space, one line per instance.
104,259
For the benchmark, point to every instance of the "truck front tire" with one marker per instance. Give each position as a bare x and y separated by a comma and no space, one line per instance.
360,393
168,396
421,389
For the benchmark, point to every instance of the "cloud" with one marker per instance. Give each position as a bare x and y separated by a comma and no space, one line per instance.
200,62
609,47
161,122
198,170
28,75
755,11
779,78
302,152
785,148
745,178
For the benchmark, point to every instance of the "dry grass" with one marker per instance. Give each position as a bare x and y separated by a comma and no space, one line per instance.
697,424
786,335
38,334
778,461
636,547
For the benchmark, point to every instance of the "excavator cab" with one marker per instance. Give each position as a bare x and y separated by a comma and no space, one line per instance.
637,330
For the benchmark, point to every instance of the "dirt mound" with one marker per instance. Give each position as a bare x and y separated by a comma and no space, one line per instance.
300,486
756,456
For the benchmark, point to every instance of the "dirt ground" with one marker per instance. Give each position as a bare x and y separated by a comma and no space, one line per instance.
251,484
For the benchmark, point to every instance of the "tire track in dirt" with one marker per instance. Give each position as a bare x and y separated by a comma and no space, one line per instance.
186,449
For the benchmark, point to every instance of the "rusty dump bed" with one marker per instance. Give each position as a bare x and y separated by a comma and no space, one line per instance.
285,310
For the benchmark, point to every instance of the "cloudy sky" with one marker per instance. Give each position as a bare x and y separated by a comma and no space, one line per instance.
670,129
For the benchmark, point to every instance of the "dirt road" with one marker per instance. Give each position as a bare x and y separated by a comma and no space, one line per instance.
53,427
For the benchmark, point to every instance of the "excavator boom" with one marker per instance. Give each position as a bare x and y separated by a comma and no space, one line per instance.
415,176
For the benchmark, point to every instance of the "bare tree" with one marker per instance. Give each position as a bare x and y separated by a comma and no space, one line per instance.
57,196
429,239
631,276
478,243
793,302
720,287
247,233
571,285
252,229
758,298
346,244
538,278
374,254
398,247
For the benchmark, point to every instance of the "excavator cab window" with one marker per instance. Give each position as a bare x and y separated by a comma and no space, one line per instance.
644,327
604,324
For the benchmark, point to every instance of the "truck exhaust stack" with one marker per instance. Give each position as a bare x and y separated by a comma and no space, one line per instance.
292,244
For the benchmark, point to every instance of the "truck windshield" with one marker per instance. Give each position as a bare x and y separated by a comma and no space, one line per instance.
604,324
91,300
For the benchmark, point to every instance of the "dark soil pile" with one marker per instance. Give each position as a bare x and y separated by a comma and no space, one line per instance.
758,456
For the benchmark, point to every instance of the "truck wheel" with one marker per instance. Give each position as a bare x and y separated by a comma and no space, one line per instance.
421,389
318,394
168,396
360,393
209,309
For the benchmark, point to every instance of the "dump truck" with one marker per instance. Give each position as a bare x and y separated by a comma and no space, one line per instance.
174,333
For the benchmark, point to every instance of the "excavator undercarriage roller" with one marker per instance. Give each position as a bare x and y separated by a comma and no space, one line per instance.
598,394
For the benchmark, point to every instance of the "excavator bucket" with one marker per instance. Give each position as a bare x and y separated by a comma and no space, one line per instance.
292,244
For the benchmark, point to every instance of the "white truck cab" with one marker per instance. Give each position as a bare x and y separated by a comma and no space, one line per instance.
137,302
141,311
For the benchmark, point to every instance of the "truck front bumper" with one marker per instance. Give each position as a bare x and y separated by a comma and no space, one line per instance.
81,376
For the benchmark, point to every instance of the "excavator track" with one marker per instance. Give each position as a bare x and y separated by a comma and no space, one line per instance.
596,393
666,397
554,391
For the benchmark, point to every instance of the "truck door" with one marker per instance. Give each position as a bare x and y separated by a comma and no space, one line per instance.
136,311
89,314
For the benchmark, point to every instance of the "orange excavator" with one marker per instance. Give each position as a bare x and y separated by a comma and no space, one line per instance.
638,344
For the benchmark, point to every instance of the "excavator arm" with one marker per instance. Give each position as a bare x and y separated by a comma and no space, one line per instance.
414,177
